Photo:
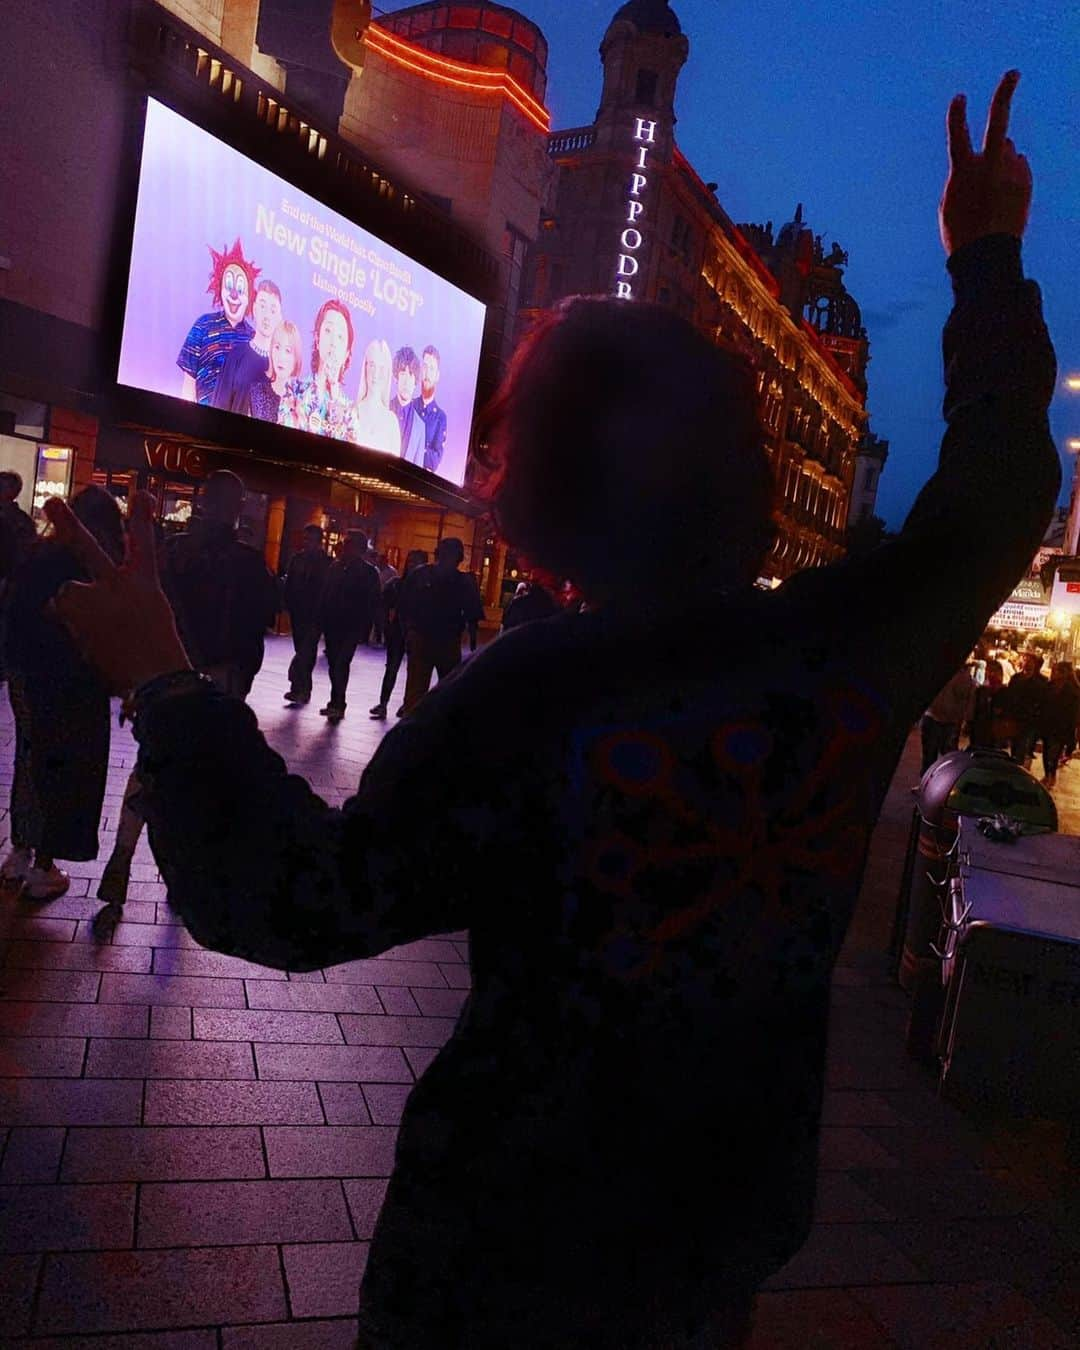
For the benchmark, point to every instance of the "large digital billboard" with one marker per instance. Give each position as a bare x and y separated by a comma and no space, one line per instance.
247,295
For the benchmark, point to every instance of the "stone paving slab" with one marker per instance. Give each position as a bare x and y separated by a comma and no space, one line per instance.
194,1148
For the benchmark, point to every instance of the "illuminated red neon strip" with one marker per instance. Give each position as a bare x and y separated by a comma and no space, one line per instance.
464,76
461,71
462,68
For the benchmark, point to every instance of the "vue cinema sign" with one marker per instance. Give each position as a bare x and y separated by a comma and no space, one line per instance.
632,237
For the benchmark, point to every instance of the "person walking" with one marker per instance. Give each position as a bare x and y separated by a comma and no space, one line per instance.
17,533
939,730
222,593
986,725
387,573
394,630
657,865
304,582
61,709
528,605
17,536
1022,702
1058,715
348,605
438,603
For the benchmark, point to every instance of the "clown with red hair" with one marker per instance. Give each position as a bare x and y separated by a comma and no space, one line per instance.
212,336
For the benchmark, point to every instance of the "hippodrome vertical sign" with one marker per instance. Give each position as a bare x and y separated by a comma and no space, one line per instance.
632,238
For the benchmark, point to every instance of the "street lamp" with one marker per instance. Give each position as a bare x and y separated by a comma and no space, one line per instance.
1072,382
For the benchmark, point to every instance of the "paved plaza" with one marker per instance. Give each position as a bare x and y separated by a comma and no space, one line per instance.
195,1148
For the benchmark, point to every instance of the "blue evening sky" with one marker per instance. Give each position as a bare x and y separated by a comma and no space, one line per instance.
842,107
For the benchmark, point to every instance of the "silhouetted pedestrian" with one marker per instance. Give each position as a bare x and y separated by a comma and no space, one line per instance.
348,605
987,729
61,712
17,536
304,584
1058,716
221,591
1022,703
939,730
387,573
395,630
438,603
534,602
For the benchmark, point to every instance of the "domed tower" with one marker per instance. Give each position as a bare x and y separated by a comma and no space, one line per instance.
643,51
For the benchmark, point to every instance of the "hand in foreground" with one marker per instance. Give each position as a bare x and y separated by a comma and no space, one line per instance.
121,619
989,192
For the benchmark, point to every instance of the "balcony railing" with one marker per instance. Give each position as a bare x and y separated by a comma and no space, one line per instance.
570,142
165,48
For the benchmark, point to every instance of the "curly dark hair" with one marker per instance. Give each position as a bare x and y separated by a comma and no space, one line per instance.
625,450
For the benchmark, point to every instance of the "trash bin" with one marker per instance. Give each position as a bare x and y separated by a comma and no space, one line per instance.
1010,1031
962,783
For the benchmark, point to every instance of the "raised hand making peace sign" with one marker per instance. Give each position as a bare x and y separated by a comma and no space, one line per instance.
120,619
987,192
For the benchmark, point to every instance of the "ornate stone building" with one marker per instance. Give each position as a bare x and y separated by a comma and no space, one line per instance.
628,215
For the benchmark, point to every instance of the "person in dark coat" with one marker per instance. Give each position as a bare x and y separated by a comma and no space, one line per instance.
394,630
17,536
349,598
1058,716
535,602
17,533
222,593
658,852
304,584
438,603
61,712
1022,704
987,729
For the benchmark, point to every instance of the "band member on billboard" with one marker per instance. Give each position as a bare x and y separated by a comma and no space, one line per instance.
244,365
285,364
373,424
406,378
433,416
319,404
213,335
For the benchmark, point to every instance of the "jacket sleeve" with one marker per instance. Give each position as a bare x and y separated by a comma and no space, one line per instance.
259,866
907,615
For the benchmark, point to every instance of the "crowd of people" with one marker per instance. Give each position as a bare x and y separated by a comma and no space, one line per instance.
224,599
1002,700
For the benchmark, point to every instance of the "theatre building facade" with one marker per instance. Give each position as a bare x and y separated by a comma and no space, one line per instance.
395,171
627,215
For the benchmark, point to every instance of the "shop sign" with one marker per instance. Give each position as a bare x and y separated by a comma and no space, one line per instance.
1066,592
174,457
1024,618
632,238
1029,591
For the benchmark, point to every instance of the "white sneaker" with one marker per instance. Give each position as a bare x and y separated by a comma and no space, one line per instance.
42,885
15,866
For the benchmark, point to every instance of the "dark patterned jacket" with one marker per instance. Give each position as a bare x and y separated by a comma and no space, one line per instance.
656,849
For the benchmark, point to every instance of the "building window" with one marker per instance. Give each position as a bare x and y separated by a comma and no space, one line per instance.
515,249
647,81
681,236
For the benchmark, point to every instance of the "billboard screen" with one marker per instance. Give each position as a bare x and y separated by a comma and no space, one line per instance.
247,295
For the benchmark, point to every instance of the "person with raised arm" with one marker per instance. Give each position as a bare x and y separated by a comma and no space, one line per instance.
658,851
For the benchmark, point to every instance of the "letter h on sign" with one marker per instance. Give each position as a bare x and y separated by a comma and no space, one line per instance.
632,238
